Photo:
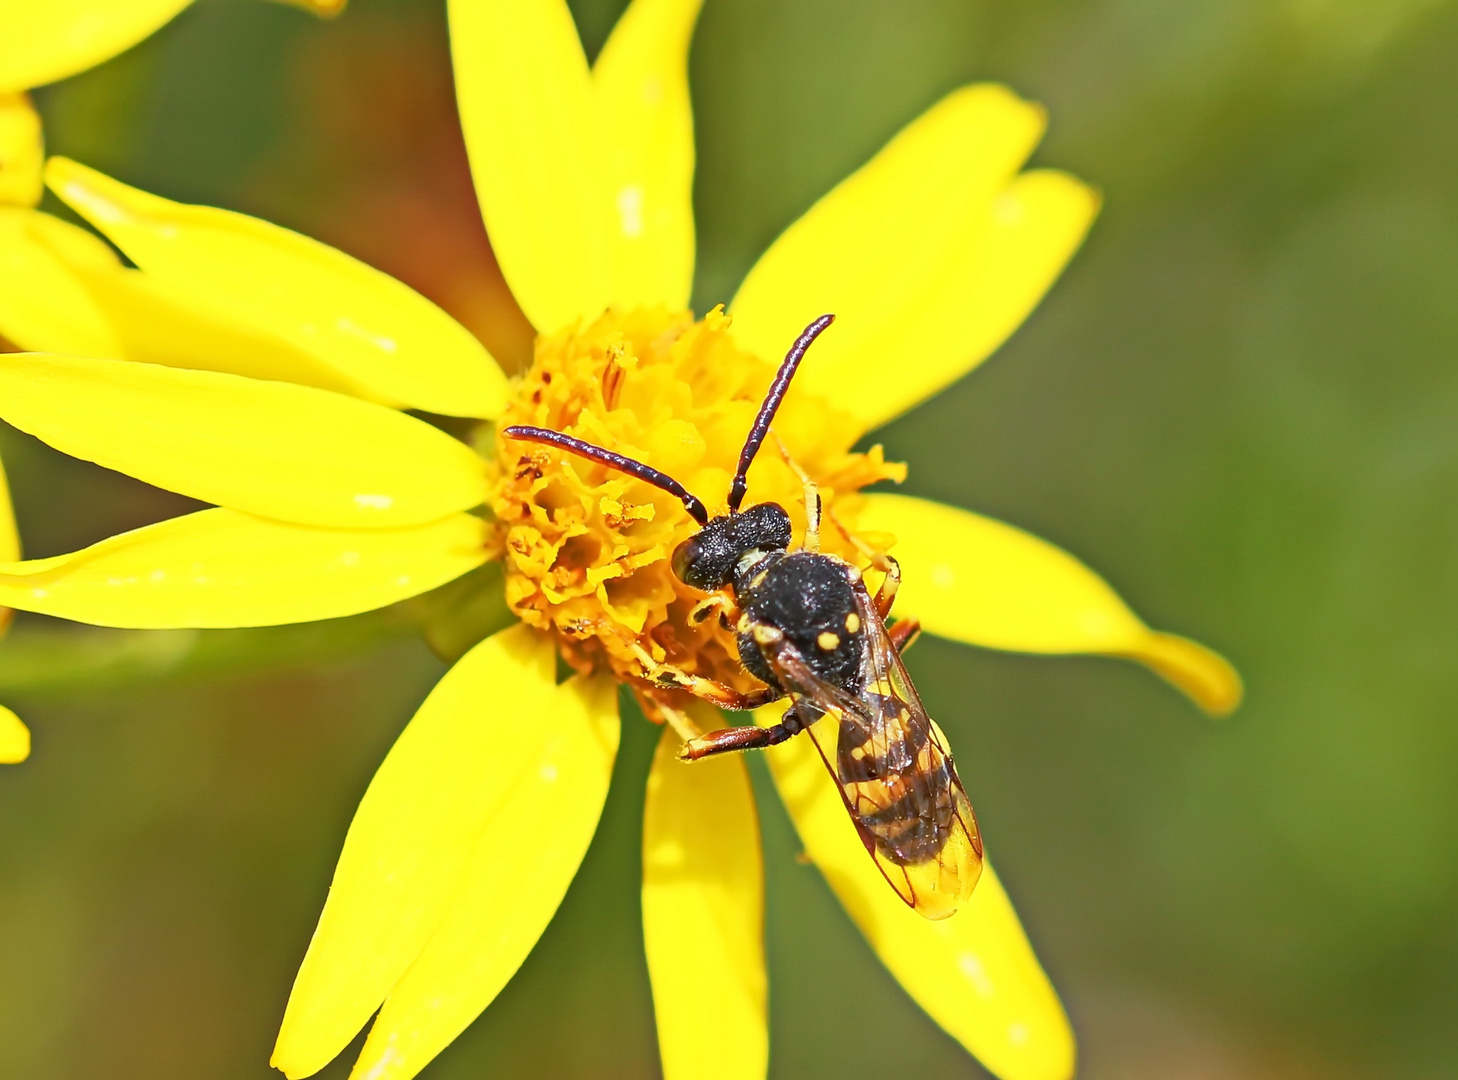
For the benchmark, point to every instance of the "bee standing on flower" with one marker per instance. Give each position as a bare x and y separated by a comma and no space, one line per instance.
808,628
292,388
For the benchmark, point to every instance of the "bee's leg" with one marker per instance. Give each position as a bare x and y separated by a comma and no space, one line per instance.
889,567
726,697
903,632
812,499
886,594
719,602
668,677
748,737
657,708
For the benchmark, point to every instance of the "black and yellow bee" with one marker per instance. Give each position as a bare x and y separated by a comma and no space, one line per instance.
808,628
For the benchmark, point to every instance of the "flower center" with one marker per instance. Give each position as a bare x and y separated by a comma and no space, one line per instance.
587,548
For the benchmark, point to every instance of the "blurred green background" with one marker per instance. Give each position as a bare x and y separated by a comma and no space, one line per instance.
1240,404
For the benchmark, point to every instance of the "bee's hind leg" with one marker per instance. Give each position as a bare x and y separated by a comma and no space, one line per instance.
747,737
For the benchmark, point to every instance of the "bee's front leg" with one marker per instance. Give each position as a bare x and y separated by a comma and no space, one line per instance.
719,602
669,677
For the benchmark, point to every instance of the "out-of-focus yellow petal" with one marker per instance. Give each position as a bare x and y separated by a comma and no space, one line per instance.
640,82
21,147
930,255
78,248
155,326
43,304
703,917
373,330
9,547
14,738
9,535
269,448
50,39
523,89
473,743
220,568
142,319
523,862
973,579
325,8
975,973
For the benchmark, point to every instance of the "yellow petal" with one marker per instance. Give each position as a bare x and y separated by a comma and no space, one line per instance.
324,8
43,303
523,90
50,40
14,738
975,973
930,256
144,320
21,148
9,552
370,328
518,873
268,448
9,536
703,917
973,579
220,568
472,742
640,82
80,249
156,326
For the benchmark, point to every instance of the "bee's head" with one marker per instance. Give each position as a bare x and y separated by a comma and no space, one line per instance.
710,558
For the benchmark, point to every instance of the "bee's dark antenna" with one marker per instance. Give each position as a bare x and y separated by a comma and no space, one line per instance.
613,461
767,410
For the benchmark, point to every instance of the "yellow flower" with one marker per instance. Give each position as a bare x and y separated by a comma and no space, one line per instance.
44,42
330,499
43,302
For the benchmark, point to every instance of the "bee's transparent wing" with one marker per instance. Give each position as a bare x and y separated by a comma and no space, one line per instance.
893,770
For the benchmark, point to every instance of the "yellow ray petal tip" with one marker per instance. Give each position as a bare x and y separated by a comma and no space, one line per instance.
14,738
1209,679
326,9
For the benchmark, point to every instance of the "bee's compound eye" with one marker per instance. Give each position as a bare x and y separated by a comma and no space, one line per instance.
684,557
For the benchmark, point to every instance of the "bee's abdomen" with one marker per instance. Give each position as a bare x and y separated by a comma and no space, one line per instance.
900,790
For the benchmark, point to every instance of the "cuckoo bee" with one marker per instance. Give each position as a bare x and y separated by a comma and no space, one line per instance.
808,629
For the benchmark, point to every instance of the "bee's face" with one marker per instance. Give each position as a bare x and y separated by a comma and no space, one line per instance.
708,559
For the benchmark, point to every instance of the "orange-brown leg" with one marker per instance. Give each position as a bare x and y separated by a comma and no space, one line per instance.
903,633
886,594
748,737
885,564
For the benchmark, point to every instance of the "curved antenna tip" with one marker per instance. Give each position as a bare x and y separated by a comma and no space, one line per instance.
771,403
